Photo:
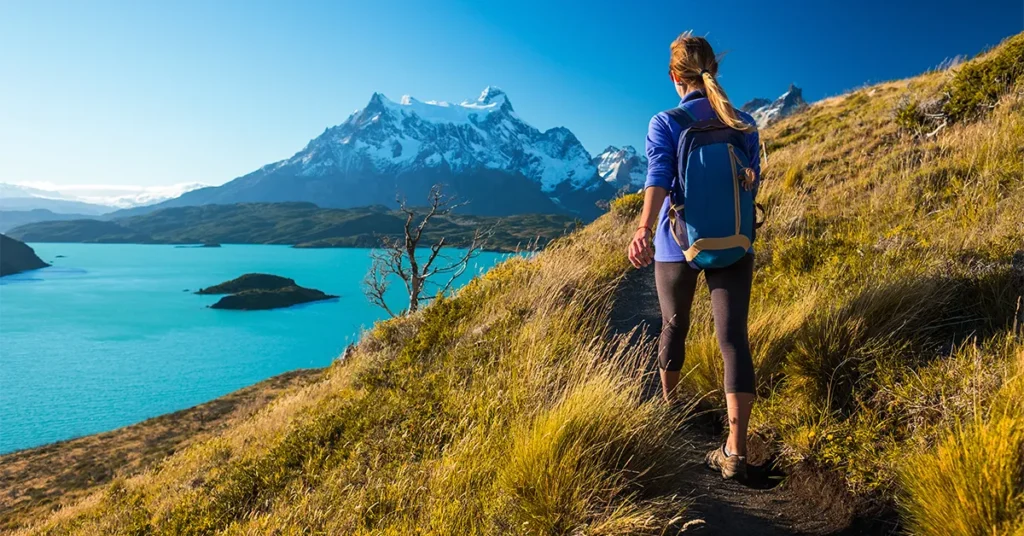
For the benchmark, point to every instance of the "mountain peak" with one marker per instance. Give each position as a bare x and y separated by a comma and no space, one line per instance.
491,94
413,136
621,167
793,93
766,112
377,102
491,97
754,104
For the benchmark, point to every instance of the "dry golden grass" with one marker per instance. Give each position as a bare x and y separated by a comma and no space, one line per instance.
971,481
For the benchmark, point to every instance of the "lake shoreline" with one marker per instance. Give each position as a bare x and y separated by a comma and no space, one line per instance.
36,480
112,335
195,245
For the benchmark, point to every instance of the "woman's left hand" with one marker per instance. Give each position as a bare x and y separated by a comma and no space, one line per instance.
750,177
641,252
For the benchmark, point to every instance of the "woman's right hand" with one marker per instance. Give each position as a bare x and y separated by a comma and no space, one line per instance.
641,252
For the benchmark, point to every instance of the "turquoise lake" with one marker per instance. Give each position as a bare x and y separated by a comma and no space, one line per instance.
112,334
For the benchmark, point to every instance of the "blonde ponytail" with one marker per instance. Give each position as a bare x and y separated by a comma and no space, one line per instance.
721,104
694,62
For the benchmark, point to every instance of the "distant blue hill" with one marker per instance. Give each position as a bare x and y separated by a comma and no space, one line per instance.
58,206
9,219
299,224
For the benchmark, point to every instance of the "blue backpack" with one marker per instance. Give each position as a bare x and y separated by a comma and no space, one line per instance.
712,216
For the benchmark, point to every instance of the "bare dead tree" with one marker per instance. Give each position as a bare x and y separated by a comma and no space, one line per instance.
397,256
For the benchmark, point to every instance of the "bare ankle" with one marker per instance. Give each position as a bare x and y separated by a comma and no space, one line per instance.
735,447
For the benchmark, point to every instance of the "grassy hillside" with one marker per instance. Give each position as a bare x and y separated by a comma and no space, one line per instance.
301,224
883,328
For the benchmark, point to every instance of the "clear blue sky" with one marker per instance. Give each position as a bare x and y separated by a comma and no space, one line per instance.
149,93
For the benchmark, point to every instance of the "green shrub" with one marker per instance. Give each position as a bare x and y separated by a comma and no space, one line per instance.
979,83
908,115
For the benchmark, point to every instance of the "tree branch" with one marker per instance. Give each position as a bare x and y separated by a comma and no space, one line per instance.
397,255
376,284
458,267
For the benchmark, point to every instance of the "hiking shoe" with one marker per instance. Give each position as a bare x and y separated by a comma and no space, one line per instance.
731,466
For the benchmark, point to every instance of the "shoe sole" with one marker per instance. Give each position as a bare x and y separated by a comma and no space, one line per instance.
733,475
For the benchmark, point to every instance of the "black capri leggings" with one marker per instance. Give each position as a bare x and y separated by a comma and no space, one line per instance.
730,304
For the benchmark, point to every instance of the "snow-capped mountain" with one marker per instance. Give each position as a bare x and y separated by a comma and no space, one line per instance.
766,112
622,168
480,149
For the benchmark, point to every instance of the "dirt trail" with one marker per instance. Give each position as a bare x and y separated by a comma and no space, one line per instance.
770,502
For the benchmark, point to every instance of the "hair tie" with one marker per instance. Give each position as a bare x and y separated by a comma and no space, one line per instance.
702,71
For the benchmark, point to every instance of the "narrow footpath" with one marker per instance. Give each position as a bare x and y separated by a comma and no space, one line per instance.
770,502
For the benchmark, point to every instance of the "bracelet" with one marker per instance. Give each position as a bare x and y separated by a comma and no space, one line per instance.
648,228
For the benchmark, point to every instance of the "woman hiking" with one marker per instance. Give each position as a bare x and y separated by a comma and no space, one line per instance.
698,215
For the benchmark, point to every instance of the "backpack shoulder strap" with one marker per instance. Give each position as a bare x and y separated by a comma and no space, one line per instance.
680,117
683,119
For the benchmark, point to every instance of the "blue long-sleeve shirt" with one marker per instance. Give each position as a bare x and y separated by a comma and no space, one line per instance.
662,140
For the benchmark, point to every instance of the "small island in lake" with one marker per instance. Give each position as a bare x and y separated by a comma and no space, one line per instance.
252,292
250,282
17,257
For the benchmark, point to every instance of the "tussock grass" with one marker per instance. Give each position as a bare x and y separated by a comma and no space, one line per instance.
793,177
972,481
628,206
554,465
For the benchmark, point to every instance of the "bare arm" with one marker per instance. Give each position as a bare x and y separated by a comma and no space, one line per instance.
654,198
641,251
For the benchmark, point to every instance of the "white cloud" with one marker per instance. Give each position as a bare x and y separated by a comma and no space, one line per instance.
114,195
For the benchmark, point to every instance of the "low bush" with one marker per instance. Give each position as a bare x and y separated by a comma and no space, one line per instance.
908,115
978,84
